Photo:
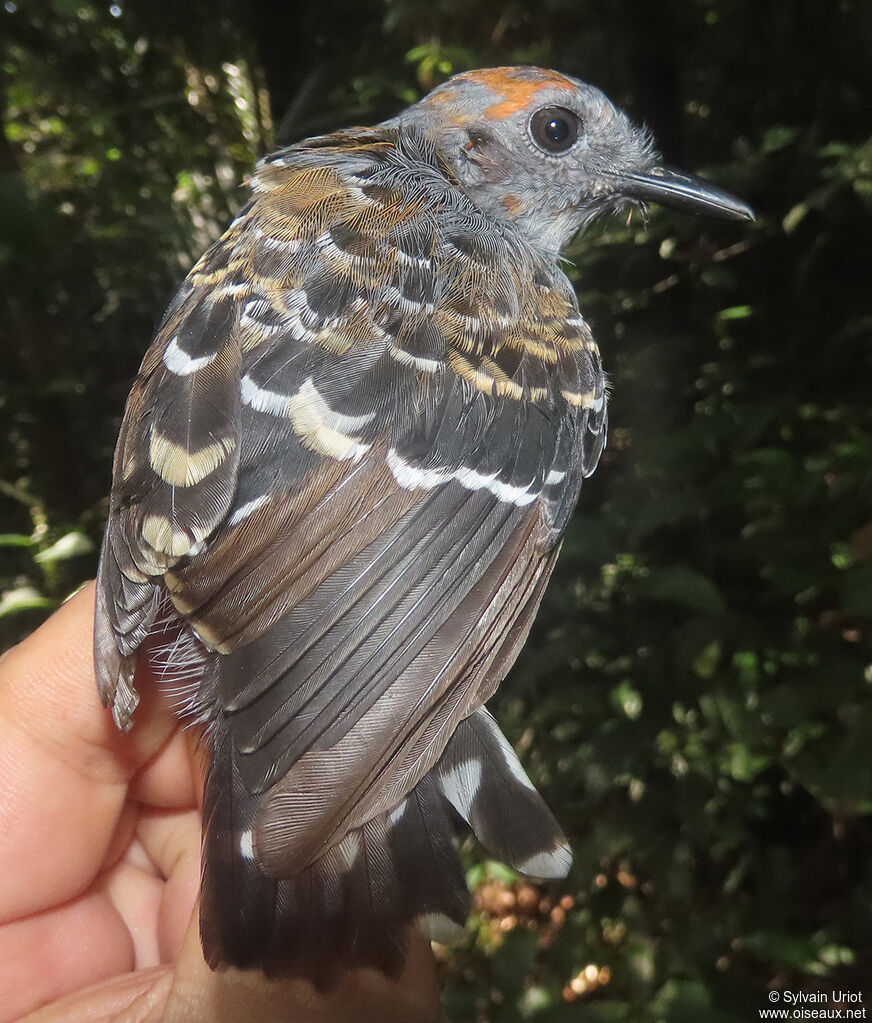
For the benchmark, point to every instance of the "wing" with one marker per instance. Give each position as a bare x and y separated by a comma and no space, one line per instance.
175,473
348,460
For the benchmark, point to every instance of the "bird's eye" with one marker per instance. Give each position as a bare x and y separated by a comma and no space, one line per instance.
554,129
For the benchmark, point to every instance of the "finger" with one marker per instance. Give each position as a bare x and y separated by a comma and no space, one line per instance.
168,779
62,950
172,842
198,995
129,998
136,893
154,887
65,768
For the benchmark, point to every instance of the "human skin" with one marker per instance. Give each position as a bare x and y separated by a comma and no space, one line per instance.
100,864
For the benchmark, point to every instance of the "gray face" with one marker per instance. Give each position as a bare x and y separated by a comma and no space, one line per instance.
551,153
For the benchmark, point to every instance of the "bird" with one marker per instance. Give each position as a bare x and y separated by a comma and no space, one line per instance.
340,486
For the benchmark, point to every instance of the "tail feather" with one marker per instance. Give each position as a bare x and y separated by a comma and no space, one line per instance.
430,874
482,778
356,902
237,901
353,905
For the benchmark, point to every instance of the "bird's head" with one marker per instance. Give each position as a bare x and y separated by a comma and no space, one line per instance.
552,153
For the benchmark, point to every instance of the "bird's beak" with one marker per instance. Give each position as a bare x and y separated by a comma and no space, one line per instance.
686,192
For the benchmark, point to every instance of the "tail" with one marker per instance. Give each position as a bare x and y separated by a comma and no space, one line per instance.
354,906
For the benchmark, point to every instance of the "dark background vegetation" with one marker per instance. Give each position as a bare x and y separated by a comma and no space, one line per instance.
695,700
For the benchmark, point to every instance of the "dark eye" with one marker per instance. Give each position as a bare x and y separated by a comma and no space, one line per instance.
554,129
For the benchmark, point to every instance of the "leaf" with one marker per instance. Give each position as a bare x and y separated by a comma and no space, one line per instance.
682,1000
736,312
794,217
778,137
785,949
708,660
16,540
500,872
22,598
513,960
627,699
70,546
743,763
855,589
680,584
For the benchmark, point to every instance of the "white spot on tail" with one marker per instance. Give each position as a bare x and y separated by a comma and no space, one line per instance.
549,864
508,755
439,927
397,814
460,785
348,849
246,844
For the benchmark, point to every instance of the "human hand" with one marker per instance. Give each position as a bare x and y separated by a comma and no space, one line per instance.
99,864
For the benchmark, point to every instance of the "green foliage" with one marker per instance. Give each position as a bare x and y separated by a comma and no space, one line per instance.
695,698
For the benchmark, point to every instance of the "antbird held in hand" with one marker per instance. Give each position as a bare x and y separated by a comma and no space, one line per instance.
339,491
